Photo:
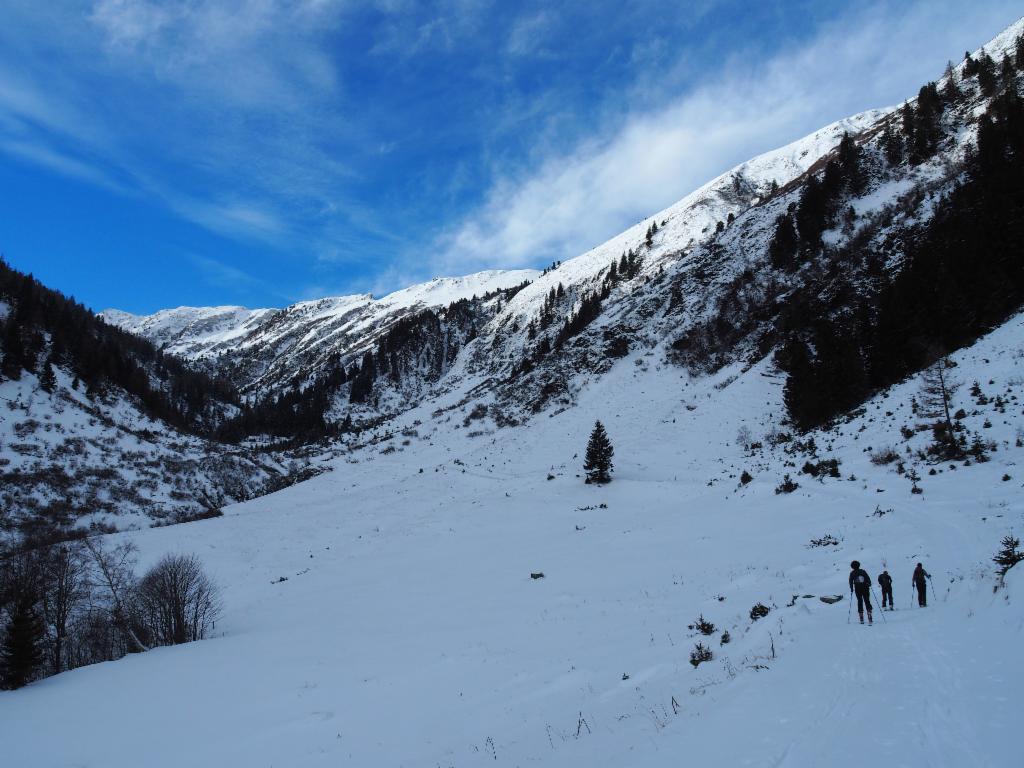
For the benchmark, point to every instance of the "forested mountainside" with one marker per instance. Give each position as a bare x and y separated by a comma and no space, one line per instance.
43,330
100,430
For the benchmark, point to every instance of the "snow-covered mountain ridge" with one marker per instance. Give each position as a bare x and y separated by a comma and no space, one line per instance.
300,338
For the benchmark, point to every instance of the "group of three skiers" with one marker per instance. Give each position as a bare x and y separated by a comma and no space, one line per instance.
860,585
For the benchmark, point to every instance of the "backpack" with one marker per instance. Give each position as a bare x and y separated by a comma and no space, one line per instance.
861,578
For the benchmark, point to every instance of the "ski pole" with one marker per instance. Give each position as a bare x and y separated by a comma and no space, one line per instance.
881,610
849,607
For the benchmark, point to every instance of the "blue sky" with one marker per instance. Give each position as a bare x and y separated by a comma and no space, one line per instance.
259,152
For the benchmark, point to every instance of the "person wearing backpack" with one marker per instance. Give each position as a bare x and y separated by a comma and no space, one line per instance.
885,582
860,585
920,574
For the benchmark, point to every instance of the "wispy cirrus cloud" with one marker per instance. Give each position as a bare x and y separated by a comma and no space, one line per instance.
251,53
190,104
54,160
527,35
229,276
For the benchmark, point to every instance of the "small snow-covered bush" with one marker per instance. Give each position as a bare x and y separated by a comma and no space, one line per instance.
703,626
828,540
823,468
759,611
787,485
883,456
700,654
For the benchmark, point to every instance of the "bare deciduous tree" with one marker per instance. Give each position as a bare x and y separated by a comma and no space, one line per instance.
743,437
177,600
65,588
115,574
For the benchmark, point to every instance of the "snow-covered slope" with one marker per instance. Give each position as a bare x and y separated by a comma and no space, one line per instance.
71,460
202,326
380,615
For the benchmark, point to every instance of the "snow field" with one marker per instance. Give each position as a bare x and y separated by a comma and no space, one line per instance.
409,632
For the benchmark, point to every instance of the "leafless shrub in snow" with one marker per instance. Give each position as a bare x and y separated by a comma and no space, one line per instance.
883,456
177,601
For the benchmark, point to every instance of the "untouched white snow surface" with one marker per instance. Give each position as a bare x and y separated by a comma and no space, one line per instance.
409,632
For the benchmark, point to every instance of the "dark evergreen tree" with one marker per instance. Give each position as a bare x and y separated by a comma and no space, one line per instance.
589,310
986,74
811,214
851,165
970,65
908,120
1008,556
783,247
47,379
13,351
927,128
21,654
1007,74
892,145
362,384
950,91
598,463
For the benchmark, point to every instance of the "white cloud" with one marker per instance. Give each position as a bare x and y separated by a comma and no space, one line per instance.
222,275
573,200
527,33
54,160
250,53
246,220
219,99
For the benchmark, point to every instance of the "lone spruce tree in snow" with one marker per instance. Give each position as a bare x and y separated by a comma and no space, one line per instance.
936,393
21,652
1009,555
598,463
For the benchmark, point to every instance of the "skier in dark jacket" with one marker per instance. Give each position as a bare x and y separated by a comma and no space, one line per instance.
860,584
920,574
885,582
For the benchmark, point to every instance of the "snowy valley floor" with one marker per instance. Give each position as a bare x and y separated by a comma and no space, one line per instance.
408,631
